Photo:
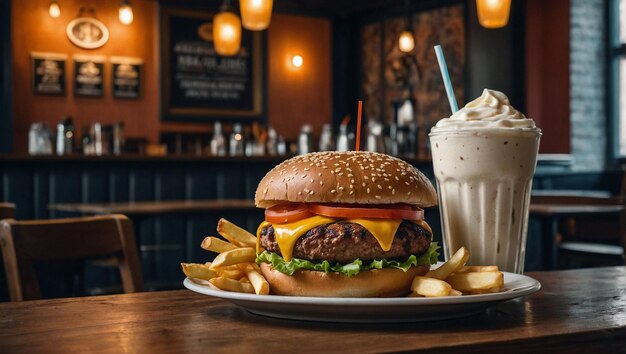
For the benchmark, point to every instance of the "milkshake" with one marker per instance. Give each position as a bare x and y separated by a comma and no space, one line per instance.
484,158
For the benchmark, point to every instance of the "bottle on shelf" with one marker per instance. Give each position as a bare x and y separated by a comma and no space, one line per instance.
218,143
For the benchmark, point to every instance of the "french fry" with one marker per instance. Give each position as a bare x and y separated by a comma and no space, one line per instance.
466,269
455,262
199,271
239,255
228,284
430,287
261,286
235,235
472,281
230,273
216,245
455,292
244,280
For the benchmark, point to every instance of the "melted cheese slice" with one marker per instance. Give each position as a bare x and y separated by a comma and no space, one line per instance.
286,235
383,230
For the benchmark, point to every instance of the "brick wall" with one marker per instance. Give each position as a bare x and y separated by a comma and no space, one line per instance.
588,85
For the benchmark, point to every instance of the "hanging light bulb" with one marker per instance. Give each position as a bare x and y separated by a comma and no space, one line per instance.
226,31
297,61
54,10
493,13
406,41
126,13
255,14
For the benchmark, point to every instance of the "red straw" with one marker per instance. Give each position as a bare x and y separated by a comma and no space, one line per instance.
358,126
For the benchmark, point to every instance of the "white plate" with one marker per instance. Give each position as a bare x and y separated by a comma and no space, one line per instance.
398,309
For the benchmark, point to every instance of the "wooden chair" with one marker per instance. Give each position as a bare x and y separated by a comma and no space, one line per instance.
25,242
7,211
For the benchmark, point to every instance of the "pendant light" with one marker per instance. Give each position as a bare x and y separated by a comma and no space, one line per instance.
226,31
493,13
256,14
126,13
406,42
54,10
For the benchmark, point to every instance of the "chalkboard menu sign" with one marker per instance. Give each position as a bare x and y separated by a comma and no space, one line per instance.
197,82
48,73
88,76
126,77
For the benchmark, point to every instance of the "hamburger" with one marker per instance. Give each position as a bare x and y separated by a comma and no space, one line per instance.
344,224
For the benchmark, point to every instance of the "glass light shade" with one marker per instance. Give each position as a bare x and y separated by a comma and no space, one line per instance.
493,13
297,61
255,14
406,41
54,10
126,14
226,33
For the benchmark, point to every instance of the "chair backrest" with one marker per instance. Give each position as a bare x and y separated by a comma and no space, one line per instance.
25,242
7,211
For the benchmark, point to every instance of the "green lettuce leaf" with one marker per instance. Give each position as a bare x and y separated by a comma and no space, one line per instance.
350,269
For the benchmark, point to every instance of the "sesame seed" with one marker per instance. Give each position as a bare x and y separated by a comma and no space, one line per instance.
377,197
351,192
333,191
340,188
379,187
321,183
340,174
312,180
299,193
306,168
363,184
393,192
368,190
311,192
303,176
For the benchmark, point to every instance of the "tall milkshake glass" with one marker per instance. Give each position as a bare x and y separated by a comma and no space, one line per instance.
484,159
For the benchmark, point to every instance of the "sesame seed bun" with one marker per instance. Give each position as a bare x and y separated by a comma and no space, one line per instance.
354,177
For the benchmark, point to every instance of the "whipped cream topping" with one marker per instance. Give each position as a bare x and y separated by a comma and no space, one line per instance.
492,110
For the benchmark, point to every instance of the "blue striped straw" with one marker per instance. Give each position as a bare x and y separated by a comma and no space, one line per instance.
446,78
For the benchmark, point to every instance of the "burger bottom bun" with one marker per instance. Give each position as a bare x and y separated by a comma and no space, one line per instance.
386,282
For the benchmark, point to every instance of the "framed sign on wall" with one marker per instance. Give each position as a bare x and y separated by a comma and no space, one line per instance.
199,84
88,75
48,73
127,74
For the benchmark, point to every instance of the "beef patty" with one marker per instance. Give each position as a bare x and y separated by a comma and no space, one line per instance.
343,242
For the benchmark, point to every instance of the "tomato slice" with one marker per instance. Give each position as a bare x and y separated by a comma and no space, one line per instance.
287,212
379,211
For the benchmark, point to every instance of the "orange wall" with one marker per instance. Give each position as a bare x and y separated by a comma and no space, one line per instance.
293,97
299,96
34,30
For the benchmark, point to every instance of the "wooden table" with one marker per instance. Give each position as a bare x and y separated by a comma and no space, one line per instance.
156,207
550,214
577,311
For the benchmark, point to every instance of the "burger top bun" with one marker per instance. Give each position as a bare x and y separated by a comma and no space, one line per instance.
354,177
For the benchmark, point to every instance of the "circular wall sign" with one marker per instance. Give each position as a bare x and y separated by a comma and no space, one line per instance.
87,32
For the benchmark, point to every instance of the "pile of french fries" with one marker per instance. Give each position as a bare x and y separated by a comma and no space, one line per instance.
454,278
234,268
